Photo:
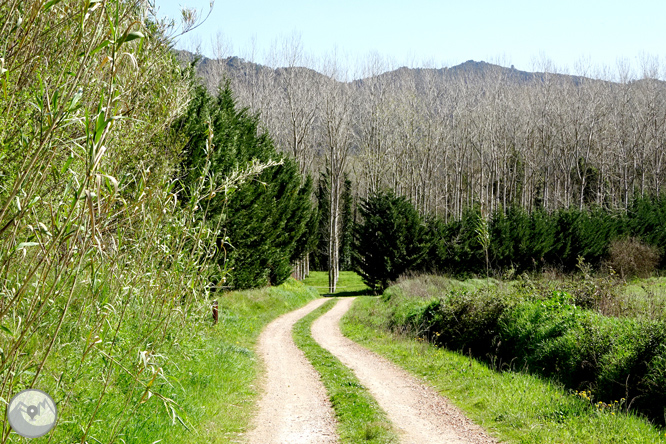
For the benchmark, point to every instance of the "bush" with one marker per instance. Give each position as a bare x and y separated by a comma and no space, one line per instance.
632,258
615,358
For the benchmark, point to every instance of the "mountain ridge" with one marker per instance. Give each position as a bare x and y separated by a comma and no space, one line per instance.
239,68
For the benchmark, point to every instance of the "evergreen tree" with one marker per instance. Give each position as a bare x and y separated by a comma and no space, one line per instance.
389,240
265,219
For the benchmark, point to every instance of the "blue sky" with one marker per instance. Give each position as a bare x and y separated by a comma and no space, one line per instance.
441,33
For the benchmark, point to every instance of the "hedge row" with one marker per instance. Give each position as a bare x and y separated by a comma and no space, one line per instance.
532,241
617,359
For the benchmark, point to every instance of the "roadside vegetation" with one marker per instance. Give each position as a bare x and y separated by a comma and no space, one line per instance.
519,399
360,419
213,370
543,329
115,224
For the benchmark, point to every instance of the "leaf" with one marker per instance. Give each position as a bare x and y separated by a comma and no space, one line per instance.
51,4
34,201
44,229
100,126
111,183
23,245
76,99
68,163
133,36
101,46
6,330
103,63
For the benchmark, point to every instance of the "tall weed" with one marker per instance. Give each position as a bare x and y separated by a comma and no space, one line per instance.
103,273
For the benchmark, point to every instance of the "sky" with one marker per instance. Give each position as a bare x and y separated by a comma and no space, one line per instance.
570,36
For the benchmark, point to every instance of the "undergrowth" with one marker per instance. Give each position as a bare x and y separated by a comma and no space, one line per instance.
514,327
515,406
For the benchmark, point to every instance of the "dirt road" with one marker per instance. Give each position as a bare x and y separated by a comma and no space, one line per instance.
294,408
419,413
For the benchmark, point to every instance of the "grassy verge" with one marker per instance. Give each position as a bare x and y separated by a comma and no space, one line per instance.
213,378
514,406
349,283
360,419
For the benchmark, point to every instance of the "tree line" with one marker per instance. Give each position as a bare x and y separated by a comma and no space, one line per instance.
392,239
473,136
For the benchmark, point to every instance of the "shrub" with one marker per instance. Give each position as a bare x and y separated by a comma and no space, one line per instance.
632,258
553,337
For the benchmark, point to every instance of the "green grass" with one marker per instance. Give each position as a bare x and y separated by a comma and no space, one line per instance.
644,297
514,406
215,375
360,419
349,283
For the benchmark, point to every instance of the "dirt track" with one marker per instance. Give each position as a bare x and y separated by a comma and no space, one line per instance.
419,413
294,408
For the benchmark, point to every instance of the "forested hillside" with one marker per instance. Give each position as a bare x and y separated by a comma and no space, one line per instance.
552,166
471,134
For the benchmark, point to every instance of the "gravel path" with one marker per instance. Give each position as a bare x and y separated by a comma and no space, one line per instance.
294,408
419,413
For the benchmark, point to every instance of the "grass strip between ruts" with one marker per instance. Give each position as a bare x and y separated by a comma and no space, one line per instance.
514,406
360,419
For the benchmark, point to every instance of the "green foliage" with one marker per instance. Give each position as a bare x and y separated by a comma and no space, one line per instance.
103,277
514,406
389,240
265,219
360,419
613,357
213,369
524,241
454,246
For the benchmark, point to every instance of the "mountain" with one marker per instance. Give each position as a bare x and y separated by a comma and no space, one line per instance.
239,69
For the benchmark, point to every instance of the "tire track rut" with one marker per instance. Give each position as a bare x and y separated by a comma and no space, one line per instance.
294,408
420,414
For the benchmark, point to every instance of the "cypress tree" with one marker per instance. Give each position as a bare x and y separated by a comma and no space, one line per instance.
265,219
389,240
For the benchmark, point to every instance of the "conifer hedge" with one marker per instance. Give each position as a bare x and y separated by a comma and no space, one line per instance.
525,241
267,223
